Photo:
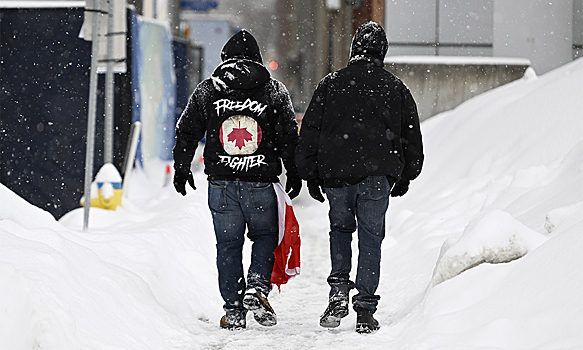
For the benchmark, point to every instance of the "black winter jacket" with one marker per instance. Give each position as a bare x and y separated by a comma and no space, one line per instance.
247,116
362,121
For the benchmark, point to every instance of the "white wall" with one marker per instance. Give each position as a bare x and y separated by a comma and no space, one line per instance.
452,23
541,30
410,21
465,21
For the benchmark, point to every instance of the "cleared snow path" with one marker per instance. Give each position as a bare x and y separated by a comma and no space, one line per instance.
300,302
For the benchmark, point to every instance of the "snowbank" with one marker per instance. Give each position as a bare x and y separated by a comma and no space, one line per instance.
495,237
503,179
130,286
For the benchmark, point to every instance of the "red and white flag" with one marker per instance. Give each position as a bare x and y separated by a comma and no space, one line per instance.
287,253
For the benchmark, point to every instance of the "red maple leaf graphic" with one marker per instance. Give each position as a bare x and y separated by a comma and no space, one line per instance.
239,136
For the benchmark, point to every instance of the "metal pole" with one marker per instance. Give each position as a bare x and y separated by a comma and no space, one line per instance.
437,28
108,152
130,156
91,114
331,43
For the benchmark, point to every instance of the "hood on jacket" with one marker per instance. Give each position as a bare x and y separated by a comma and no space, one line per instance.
242,45
242,66
237,73
369,42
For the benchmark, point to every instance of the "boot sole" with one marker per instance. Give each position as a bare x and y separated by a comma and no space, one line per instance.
330,322
364,328
262,315
333,320
232,328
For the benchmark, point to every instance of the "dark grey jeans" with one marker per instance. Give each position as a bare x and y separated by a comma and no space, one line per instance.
365,203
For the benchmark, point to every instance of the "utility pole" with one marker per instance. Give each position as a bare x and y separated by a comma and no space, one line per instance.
90,150
109,99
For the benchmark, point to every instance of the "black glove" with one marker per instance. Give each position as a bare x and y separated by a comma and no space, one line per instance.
293,185
401,187
180,179
314,190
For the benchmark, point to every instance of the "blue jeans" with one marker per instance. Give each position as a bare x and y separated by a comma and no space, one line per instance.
365,203
238,206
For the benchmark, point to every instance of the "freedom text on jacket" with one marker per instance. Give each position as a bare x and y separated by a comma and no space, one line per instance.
226,104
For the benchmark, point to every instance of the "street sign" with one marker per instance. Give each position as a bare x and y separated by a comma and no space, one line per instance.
199,5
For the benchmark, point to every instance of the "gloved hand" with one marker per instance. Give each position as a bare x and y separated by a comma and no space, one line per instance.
314,190
180,179
401,187
293,185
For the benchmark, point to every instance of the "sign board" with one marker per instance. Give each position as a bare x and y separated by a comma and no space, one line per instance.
199,5
119,33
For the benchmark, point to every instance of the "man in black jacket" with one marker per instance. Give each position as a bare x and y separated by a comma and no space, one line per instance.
359,140
250,128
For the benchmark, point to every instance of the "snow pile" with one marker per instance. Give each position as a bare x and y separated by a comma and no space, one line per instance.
17,210
503,179
107,176
503,182
105,289
495,237
564,216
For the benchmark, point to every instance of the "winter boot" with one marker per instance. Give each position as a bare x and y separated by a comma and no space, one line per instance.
234,320
365,322
262,311
337,309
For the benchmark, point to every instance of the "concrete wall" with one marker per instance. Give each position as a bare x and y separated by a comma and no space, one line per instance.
538,29
440,83
440,27
548,33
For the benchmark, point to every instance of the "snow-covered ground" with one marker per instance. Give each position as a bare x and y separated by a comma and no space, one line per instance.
484,252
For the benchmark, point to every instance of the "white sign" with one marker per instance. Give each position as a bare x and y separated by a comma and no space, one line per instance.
118,33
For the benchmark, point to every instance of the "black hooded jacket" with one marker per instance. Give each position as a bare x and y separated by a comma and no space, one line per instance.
362,121
247,116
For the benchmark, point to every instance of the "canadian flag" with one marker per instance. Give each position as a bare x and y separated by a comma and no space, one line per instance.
287,253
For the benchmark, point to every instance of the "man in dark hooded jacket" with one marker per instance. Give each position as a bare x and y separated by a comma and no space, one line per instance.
250,128
360,141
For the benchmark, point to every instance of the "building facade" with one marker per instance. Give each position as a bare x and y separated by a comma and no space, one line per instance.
549,34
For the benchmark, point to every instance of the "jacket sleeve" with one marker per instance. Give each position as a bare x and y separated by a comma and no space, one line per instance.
190,129
307,151
286,128
411,137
